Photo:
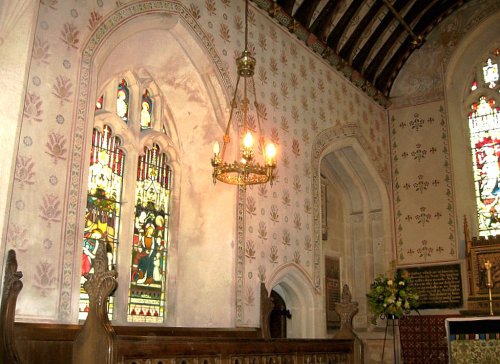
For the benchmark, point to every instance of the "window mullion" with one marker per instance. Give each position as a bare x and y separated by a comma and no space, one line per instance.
126,236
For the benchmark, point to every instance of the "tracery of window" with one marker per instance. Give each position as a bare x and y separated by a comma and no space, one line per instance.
102,215
490,73
141,229
486,74
484,127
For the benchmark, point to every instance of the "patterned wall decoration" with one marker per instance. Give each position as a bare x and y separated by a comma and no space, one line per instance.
424,202
305,105
423,185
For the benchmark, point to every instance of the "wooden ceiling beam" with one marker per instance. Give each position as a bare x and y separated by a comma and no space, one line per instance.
346,51
373,68
306,11
286,5
426,23
359,61
339,29
322,22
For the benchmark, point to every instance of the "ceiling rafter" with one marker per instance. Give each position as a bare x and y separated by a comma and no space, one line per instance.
339,29
320,25
305,12
348,47
426,23
371,70
372,52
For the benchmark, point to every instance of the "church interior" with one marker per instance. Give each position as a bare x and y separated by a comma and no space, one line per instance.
138,209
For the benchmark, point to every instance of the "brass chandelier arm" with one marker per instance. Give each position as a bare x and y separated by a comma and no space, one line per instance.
226,138
256,104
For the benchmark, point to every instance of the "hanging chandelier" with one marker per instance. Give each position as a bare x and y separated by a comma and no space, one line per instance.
245,169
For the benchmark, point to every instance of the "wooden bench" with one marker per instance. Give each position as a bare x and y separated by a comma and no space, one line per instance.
97,341
12,285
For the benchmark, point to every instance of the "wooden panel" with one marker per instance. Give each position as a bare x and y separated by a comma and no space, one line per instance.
52,344
45,343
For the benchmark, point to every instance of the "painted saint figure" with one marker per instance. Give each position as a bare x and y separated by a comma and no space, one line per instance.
122,100
146,110
490,171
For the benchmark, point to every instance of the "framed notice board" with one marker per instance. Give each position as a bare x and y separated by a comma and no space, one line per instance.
438,286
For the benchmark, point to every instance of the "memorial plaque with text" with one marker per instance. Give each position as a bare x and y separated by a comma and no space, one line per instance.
438,286
332,280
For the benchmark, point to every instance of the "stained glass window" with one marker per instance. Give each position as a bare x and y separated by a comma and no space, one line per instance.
490,73
147,293
102,215
146,111
144,225
122,100
99,102
484,124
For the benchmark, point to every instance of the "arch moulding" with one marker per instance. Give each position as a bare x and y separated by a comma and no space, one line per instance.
82,119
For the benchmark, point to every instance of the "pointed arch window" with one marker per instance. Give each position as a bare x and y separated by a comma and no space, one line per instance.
484,127
142,228
102,215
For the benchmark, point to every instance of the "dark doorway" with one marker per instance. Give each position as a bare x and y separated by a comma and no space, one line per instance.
279,315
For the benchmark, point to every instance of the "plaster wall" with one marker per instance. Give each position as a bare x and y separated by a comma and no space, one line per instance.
226,242
431,163
17,26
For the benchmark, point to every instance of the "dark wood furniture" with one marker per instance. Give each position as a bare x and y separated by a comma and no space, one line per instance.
96,340
479,250
99,342
53,344
12,285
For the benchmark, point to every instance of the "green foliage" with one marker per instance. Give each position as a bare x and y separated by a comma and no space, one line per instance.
392,297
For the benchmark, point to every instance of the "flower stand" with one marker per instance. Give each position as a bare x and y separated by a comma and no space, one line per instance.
393,322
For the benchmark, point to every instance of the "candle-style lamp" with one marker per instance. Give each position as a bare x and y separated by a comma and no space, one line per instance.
489,283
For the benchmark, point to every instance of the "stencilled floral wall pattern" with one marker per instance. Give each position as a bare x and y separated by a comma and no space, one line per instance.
423,185
423,188
300,97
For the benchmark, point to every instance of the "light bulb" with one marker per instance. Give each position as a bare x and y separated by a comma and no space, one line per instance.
270,153
216,148
248,140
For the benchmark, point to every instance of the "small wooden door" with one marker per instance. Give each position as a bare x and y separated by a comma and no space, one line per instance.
279,315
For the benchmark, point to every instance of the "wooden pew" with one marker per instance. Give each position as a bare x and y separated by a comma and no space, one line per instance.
97,341
12,285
